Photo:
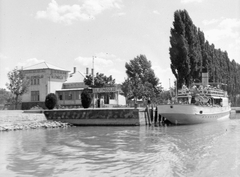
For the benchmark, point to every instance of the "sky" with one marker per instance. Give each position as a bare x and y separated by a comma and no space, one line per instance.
70,33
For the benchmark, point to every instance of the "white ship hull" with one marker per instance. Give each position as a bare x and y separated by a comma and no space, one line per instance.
192,114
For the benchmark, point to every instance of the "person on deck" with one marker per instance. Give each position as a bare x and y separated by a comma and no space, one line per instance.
101,102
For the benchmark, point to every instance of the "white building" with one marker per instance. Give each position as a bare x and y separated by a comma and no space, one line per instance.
44,78
69,95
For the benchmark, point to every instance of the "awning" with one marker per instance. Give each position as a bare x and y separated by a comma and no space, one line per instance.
214,97
72,89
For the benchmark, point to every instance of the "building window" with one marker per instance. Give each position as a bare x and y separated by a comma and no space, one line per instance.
34,95
60,96
112,95
35,81
68,96
79,95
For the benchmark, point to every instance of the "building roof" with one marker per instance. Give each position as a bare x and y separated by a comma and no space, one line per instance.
44,65
75,77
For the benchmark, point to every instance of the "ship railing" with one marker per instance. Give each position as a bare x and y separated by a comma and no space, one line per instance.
208,91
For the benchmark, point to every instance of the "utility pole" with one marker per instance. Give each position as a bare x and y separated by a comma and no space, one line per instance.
176,88
170,91
93,81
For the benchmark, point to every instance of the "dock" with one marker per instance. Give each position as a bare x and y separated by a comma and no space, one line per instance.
99,116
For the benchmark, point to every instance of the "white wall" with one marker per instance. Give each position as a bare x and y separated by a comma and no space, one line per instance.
121,100
48,83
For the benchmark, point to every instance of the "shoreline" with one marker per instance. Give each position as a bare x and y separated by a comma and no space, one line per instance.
19,120
11,120
33,125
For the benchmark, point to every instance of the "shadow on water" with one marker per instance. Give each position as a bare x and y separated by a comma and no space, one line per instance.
196,150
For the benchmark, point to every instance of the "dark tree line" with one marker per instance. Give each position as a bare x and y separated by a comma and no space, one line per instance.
190,52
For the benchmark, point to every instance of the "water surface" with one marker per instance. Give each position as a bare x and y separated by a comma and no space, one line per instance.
196,150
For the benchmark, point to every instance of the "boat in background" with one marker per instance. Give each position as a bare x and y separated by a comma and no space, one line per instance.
201,103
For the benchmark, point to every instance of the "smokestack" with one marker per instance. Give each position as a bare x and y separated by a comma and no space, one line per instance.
86,71
205,77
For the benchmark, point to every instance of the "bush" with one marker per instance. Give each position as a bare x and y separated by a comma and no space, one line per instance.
51,101
86,98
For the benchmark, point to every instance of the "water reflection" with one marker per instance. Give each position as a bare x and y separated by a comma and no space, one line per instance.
198,150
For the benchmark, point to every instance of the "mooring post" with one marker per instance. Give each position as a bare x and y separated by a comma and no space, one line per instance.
156,116
159,120
151,113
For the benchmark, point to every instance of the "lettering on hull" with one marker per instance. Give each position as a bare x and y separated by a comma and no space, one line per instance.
210,117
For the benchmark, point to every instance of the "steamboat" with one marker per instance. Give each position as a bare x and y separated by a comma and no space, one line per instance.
203,102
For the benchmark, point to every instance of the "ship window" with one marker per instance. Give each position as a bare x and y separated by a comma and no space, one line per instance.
200,112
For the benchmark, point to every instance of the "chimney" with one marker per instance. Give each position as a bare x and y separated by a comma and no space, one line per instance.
86,71
74,71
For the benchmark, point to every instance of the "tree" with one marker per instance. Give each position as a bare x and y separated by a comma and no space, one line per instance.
194,48
190,52
18,84
165,96
6,96
179,50
141,80
51,101
86,98
133,88
100,80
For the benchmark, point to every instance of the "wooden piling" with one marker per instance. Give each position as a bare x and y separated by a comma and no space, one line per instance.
148,115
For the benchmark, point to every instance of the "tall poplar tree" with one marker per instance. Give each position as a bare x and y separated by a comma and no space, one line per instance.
190,52
180,61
